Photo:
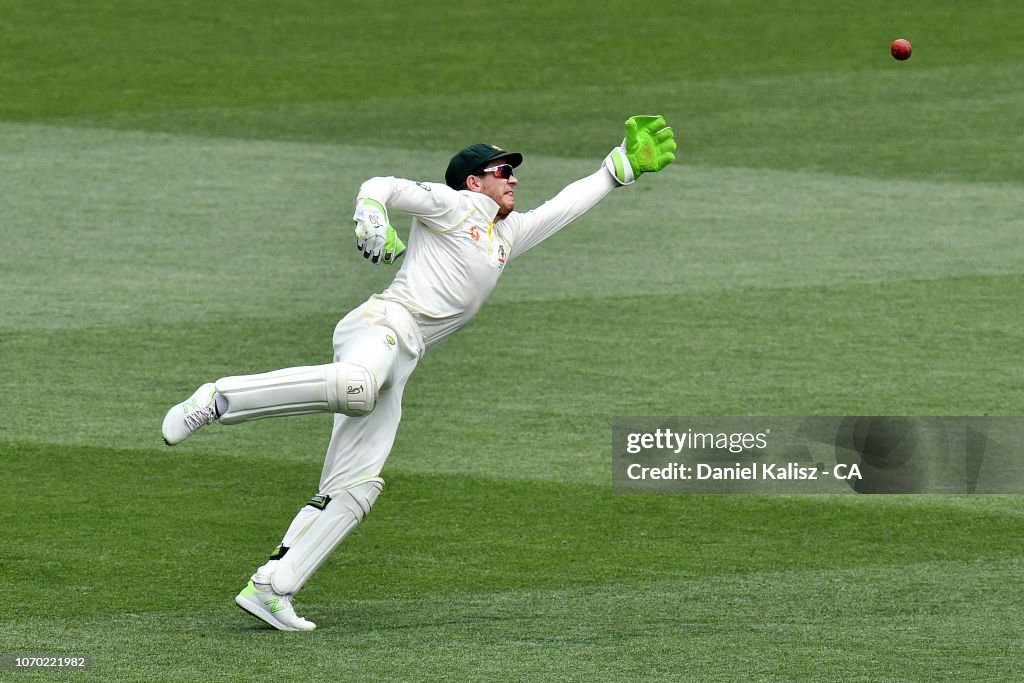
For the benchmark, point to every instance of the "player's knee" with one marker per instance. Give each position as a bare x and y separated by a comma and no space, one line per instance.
358,498
376,349
351,389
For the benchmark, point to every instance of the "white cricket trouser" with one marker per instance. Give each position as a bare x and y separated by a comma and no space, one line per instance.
383,337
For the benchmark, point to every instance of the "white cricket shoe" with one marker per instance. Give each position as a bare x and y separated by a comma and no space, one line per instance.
184,419
273,608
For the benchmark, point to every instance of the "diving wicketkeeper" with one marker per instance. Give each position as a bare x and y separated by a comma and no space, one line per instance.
463,234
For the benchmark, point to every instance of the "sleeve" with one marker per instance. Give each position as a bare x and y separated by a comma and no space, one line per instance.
533,227
425,200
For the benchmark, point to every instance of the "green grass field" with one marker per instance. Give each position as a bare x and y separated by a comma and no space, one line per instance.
841,235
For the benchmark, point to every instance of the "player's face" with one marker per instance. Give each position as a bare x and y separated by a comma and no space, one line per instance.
501,190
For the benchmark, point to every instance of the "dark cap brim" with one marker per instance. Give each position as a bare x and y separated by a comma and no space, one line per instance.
474,159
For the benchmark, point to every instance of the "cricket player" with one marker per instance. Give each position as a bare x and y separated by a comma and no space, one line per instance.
463,235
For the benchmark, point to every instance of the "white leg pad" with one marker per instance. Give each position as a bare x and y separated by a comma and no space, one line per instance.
330,528
344,388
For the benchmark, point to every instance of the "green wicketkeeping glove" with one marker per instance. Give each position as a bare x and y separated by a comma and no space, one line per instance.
374,235
647,148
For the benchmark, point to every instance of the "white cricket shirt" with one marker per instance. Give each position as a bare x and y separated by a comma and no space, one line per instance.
456,250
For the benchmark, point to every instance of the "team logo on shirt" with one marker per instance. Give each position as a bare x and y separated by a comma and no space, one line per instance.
474,232
501,254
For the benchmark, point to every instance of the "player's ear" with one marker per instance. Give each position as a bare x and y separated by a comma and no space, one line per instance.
473,183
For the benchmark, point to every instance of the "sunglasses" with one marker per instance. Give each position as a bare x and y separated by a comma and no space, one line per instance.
502,171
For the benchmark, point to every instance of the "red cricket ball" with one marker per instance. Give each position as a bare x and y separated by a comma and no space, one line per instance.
901,49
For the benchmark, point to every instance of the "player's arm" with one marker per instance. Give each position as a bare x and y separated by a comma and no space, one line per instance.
533,227
647,147
375,236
